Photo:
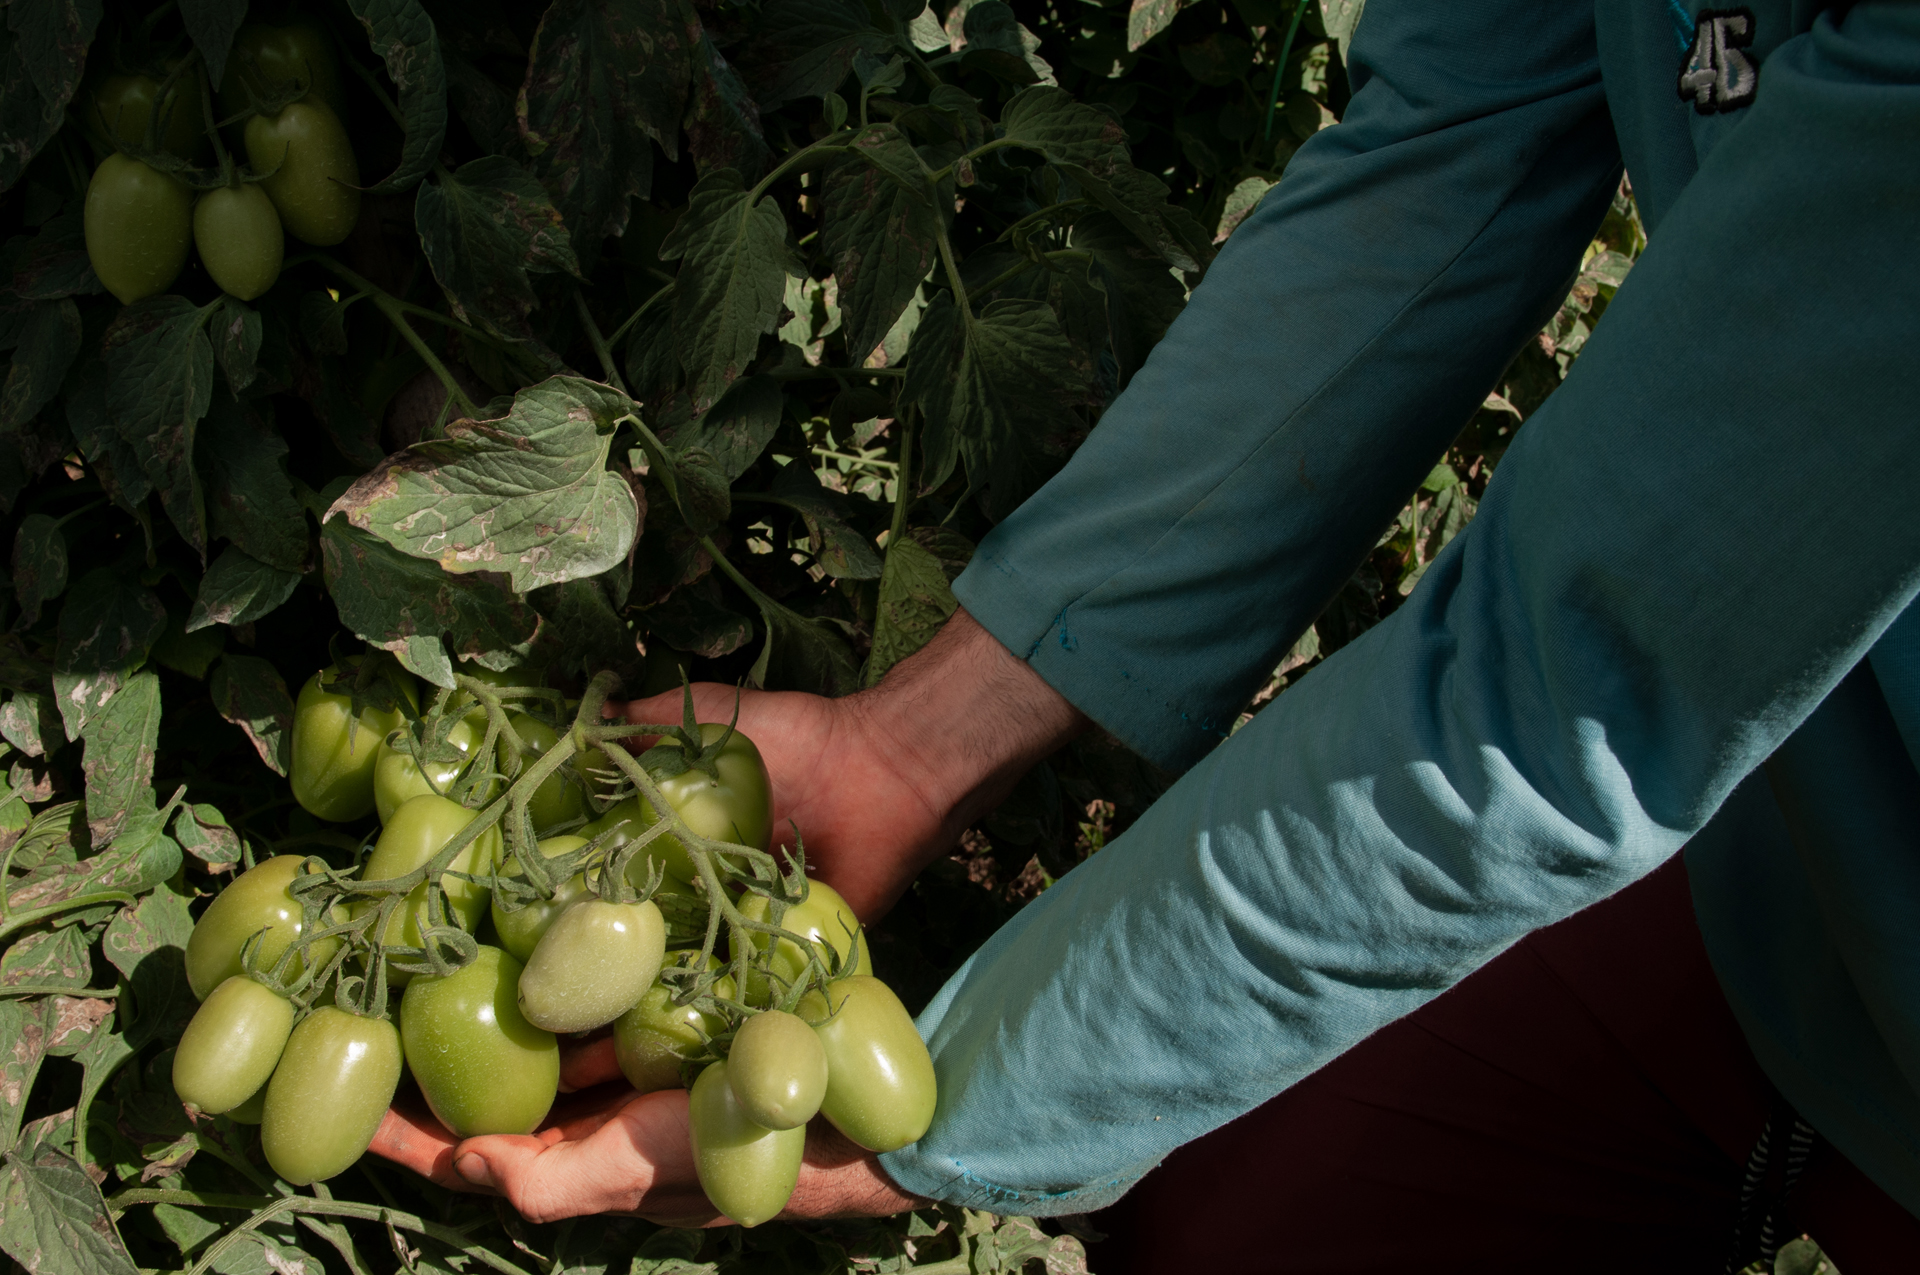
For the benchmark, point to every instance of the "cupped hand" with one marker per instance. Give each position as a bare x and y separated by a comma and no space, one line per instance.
882,782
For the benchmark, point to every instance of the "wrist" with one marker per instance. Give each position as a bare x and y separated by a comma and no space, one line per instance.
838,1178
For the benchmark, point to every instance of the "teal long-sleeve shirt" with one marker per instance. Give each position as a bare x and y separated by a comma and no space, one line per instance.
1655,631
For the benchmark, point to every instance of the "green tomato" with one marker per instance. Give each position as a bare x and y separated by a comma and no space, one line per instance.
420,829
269,59
592,965
257,899
653,1039
520,930
482,1066
778,1070
737,807
123,104
325,1101
880,1085
332,764
315,179
398,779
556,800
232,1045
824,919
138,222
238,234
746,1169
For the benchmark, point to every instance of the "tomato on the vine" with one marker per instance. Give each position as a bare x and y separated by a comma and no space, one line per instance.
419,830
481,1065
122,106
521,929
257,899
231,1046
824,919
653,1039
555,801
398,778
593,964
327,1097
334,752
736,807
778,1070
747,1170
269,59
880,1083
138,224
238,234
312,175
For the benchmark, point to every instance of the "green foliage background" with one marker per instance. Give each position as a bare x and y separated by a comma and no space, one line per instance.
674,335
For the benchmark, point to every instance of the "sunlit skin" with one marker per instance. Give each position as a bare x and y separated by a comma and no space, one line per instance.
881,783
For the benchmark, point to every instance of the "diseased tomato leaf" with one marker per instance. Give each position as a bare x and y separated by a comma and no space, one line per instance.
802,653
119,757
528,495
483,227
603,77
915,600
804,48
159,384
402,37
695,620
842,552
722,123
39,566
40,362
43,49
880,228
52,263
238,589
408,606
250,693
106,629
204,833
249,498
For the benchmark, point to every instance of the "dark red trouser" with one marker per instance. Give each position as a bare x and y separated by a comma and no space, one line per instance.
1585,1103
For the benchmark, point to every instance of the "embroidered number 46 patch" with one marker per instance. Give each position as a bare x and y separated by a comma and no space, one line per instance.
1717,73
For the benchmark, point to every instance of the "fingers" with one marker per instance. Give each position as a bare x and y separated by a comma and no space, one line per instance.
419,1142
638,1160
584,1066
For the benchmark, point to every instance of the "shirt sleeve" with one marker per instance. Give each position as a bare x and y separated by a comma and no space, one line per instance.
1342,338
1684,551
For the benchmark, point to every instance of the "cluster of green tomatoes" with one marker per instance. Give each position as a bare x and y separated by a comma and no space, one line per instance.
148,202
531,878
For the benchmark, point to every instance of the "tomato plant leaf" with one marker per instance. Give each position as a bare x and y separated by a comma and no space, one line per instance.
997,387
402,36
880,229
722,123
916,598
406,605
603,77
106,452
119,757
106,629
1148,18
40,362
249,498
43,49
320,379
39,566
51,958
237,589
52,263
204,833
804,48
841,551
483,227
733,271
528,495
147,943
737,429
213,24
237,338
250,693
580,631
997,44
159,383
23,1029
30,723
801,653
53,1220
695,620
1143,296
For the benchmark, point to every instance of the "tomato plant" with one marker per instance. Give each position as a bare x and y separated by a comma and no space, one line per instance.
777,1070
880,1086
481,1065
229,1050
658,371
593,964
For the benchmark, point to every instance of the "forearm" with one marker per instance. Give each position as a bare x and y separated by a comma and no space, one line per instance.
840,1179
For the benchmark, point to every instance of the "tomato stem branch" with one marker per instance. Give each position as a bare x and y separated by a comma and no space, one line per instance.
601,348
396,312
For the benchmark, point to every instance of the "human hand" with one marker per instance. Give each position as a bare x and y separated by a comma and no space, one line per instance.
882,782
610,1150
